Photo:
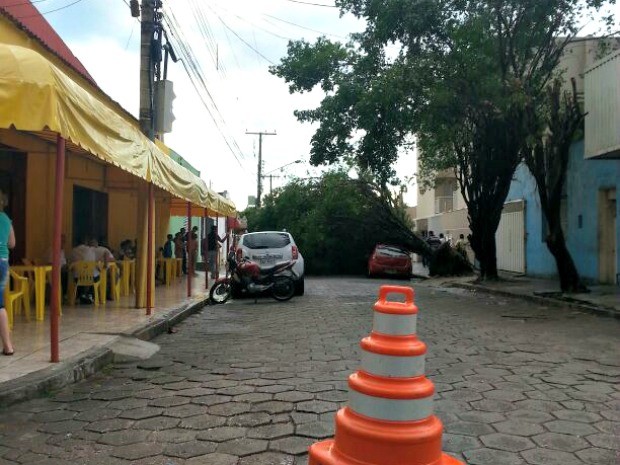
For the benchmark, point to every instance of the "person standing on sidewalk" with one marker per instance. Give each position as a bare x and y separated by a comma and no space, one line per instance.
212,249
7,241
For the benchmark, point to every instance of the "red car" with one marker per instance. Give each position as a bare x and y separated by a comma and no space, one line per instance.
389,260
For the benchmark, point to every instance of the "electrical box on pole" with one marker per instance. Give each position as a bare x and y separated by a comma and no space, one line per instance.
164,95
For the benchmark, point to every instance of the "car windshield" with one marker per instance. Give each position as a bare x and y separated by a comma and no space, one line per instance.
266,241
391,251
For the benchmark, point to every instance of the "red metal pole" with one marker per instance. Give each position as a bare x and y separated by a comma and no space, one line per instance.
227,239
149,251
206,235
56,245
217,239
190,270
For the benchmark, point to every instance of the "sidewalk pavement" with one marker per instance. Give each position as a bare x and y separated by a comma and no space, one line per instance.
602,299
90,340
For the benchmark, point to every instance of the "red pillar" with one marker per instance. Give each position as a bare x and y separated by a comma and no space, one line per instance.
227,240
58,204
149,251
206,234
190,269
217,252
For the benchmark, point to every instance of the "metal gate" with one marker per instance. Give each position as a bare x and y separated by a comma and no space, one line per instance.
510,238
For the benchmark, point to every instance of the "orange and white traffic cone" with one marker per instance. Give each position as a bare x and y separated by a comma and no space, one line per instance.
389,419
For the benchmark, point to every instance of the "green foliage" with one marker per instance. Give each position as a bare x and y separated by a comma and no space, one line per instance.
335,220
463,76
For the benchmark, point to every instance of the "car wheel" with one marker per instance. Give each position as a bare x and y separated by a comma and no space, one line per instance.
300,287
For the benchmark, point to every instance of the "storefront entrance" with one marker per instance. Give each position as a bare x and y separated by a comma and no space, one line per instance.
90,215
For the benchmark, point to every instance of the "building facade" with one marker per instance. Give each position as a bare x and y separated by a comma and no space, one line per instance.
589,209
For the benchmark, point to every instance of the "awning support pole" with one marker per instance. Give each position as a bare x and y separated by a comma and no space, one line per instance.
227,239
190,268
217,250
149,251
56,245
206,251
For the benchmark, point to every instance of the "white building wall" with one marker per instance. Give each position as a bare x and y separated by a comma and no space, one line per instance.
602,106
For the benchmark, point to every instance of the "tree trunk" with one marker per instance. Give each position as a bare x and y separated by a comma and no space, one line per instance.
548,161
483,244
556,243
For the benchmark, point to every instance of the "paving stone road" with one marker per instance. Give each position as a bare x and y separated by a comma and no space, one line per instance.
256,384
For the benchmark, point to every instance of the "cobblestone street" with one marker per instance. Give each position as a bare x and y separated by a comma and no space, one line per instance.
256,384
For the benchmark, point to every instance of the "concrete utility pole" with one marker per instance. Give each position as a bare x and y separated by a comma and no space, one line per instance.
259,180
147,26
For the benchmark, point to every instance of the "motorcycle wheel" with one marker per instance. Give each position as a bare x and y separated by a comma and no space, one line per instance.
220,292
283,288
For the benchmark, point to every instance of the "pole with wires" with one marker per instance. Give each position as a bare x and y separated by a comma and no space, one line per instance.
259,178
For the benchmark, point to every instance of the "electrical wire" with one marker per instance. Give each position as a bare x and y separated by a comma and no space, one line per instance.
130,36
50,11
256,25
312,4
24,3
195,74
304,27
243,40
207,33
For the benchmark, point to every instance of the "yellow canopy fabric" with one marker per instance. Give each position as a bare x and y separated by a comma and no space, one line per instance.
36,95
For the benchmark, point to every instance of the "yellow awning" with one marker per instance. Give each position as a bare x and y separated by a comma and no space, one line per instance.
36,95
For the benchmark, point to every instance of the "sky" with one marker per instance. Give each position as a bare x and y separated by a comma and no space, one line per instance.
234,42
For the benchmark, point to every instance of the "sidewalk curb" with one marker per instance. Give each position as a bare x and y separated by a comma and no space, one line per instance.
602,311
43,382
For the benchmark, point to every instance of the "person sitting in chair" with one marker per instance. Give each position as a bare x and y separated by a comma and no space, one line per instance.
85,253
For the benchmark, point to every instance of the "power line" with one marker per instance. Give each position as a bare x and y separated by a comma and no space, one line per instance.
304,27
242,39
195,74
256,25
205,30
311,3
130,36
24,3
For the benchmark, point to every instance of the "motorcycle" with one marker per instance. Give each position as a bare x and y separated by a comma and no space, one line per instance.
246,277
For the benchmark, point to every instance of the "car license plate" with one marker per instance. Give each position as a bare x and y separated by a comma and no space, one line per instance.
390,271
267,259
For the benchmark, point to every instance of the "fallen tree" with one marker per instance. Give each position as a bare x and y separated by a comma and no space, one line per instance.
336,222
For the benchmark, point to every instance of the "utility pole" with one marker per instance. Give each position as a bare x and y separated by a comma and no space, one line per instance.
147,27
259,178
271,176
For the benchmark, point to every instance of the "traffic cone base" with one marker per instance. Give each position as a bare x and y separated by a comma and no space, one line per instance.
323,453
376,442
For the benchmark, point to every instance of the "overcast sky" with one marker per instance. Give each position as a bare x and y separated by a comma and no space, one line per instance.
104,36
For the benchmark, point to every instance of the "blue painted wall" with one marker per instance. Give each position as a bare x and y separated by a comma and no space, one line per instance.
538,260
585,179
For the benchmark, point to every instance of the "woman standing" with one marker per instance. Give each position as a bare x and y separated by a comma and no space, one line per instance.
7,241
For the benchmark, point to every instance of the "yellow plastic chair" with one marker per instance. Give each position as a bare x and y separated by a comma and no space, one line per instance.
30,275
82,274
14,296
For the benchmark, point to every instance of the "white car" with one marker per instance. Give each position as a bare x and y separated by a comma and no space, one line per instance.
270,247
